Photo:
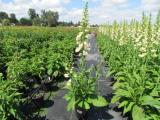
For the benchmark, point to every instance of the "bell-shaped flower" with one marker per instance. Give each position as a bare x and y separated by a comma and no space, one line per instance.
85,53
143,49
142,55
66,75
78,49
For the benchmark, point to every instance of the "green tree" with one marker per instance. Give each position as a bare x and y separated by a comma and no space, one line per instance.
32,13
36,21
44,17
50,18
3,15
25,21
13,18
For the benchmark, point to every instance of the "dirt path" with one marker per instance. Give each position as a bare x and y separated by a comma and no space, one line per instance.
58,110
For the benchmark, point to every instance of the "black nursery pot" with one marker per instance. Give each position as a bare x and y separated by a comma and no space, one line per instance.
81,113
39,99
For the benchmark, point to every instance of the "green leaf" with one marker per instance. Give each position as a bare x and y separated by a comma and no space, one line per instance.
154,93
149,100
120,73
122,104
99,101
89,100
137,113
122,92
1,108
55,74
80,104
115,99
71,104
128,108
110,73
50,72
67,97
121,78
12,111
116,85
86,106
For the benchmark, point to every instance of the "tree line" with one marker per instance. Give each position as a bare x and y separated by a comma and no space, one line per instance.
46,18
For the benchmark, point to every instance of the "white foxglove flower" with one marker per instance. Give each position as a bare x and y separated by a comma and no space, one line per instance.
80,54
153,51
78,39
86,30
87,36
66,75
142,55
85,53
143,49
137,39
85,44
80,33
78,49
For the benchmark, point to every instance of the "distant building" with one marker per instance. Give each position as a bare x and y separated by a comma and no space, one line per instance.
13,24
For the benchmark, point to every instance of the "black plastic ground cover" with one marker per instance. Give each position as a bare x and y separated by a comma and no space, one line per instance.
59,109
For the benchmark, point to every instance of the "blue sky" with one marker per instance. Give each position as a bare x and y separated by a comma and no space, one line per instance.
6,1
100,11
135,3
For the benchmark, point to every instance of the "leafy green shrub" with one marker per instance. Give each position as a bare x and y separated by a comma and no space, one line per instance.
10,99
82,89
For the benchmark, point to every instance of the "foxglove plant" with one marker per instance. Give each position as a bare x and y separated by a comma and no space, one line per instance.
82,91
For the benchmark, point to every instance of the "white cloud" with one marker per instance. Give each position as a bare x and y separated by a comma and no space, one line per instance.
149,1
20,7
150,5
103,11
110,10
74,14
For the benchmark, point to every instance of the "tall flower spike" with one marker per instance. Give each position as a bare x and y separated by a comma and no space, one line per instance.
82,37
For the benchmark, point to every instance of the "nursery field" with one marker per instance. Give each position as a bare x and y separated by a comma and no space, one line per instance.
33,60
106,72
